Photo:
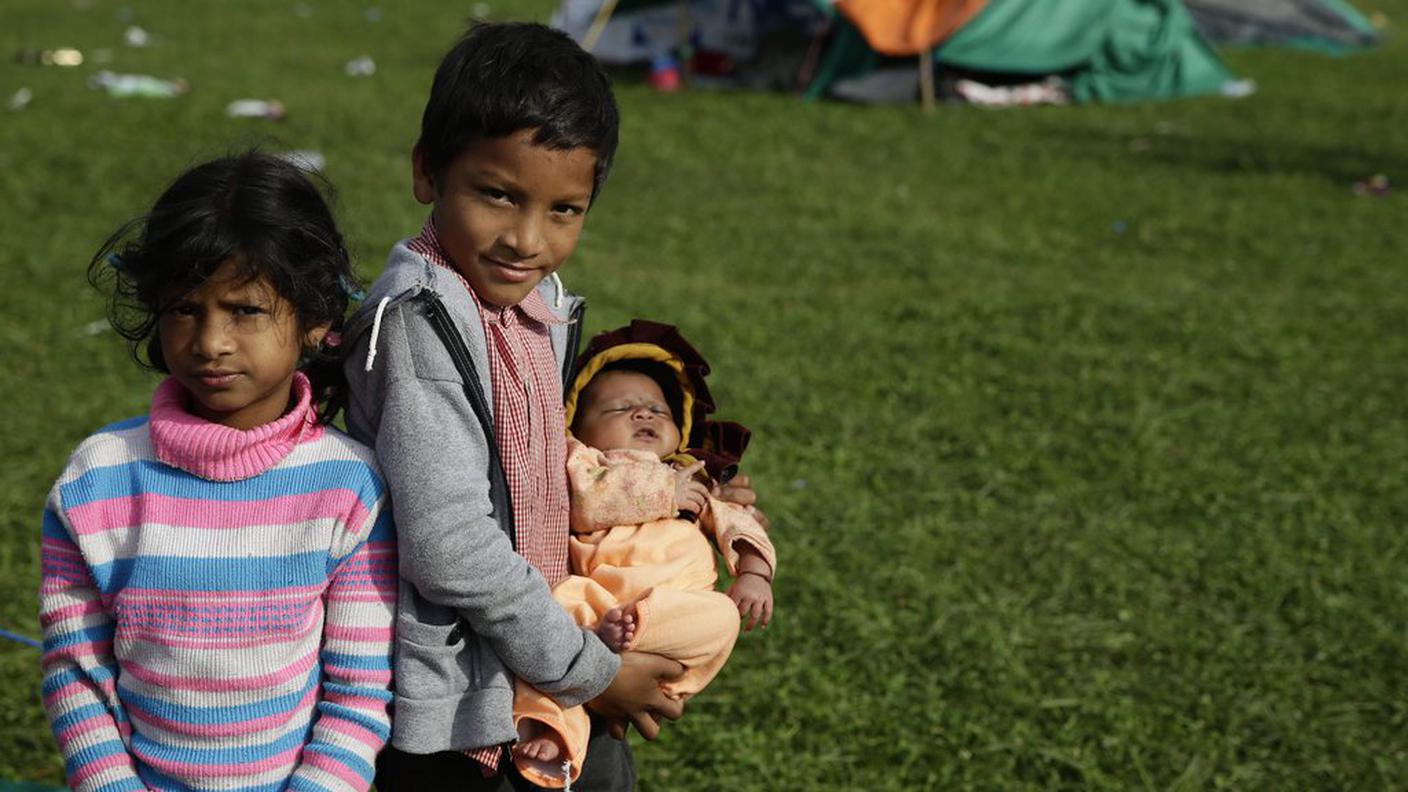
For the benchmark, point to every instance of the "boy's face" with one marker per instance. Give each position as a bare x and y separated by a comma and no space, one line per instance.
626,409
508,211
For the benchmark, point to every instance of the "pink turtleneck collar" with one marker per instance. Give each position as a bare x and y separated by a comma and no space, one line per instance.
220,453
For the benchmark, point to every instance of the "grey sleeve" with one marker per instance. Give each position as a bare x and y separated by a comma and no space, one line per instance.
434,456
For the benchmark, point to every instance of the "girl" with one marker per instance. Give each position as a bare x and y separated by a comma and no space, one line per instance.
219,576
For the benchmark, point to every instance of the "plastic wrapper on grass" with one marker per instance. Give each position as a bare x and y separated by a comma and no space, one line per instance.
136,37
270,109
19,100
360,67
138,85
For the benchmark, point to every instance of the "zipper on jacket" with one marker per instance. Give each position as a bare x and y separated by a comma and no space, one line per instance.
574,340
444,327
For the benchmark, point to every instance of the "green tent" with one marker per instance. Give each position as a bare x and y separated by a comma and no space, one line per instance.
1107,50
1325,25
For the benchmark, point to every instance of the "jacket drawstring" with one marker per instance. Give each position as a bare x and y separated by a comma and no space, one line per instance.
557,282
376,332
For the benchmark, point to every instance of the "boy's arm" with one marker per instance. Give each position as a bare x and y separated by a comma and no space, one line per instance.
352,723
617,488
433,455
80,671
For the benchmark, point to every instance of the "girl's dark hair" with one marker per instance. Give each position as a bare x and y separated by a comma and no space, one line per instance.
502,77
258,211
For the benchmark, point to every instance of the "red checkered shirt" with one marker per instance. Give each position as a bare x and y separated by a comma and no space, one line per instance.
529,428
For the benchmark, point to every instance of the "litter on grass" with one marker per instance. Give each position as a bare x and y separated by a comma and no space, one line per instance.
1238,89
136,37
305,159
20,99
63,56
143,85
271,109
96,328
1375,186
360,67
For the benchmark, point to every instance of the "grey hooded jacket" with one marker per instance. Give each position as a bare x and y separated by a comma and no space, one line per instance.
473,614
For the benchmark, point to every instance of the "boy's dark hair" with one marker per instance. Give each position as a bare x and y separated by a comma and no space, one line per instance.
253,209
504,77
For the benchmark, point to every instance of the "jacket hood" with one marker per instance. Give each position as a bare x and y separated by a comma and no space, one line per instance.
718,444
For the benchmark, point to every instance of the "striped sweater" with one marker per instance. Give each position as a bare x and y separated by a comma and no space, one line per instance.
217,605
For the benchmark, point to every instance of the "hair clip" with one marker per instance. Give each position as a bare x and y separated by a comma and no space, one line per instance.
332,340
350,289
115,261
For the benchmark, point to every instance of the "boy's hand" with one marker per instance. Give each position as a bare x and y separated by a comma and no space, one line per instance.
690,495
635,696
740,491
752,593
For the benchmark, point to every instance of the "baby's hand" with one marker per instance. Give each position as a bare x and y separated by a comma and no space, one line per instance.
618,629
752,593
690,494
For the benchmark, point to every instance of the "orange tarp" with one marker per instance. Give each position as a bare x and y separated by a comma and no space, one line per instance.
908,27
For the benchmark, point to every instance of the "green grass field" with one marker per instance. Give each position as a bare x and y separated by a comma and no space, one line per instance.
1057,506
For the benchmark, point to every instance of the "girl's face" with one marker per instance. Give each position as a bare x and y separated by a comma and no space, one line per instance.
235,344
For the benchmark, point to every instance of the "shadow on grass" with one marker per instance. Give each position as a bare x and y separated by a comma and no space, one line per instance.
1340,164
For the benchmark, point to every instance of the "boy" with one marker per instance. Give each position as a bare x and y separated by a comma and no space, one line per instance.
455,367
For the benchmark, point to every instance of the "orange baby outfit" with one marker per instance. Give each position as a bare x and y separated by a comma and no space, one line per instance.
627,547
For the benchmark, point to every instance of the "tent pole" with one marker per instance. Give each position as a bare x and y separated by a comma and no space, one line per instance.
684,32
603,15
926,80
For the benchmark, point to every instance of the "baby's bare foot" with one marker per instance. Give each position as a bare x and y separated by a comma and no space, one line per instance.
535,743
618,628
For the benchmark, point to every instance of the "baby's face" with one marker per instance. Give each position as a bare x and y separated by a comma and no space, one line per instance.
626,409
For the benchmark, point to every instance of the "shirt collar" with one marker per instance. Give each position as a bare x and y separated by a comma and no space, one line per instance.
533,307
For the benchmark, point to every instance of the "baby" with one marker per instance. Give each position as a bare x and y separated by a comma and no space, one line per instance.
644,570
